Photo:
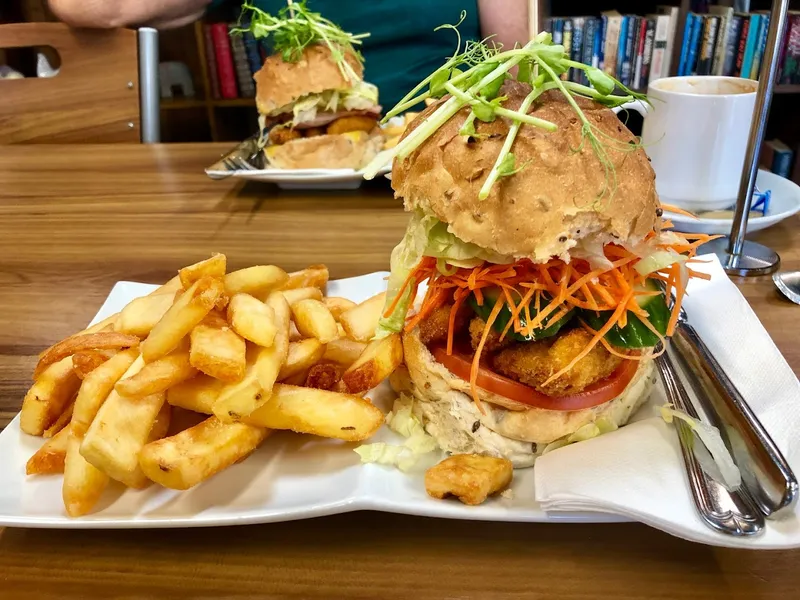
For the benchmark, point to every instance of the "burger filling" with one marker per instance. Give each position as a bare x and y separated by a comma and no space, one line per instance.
565,334
329,113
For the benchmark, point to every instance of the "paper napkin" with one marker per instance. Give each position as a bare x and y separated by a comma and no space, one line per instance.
637,471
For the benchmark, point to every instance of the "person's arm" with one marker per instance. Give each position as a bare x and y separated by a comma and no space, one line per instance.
127,13
507,20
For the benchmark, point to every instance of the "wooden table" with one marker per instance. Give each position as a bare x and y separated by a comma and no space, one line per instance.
73,220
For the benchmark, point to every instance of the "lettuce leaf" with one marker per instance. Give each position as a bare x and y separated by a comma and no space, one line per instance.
426,236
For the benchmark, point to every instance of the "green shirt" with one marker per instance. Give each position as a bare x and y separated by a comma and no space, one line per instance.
403,48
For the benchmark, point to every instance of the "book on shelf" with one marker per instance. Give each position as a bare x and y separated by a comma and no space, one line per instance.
211,63
694,45
741,45
708,40
777,157
661,47
672,13
732,44
628,50
576,52
687,38
790,73
566,40
224,56
611,45
244,77
725,13
761,46
750,45
638,61
647,56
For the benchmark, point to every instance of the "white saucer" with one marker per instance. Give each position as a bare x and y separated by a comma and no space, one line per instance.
784,203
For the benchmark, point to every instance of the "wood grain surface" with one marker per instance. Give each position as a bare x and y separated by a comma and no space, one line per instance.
89,100
74,220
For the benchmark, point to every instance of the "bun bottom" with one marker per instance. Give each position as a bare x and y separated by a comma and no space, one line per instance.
352,150
519,434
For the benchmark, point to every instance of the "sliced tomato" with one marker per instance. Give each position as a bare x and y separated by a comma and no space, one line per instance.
598,393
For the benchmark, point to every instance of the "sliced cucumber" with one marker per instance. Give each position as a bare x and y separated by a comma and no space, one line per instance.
491,295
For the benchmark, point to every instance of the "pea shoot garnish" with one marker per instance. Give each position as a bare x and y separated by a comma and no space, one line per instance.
295,28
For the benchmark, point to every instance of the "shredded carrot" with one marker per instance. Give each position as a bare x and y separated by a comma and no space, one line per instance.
678,211
473,372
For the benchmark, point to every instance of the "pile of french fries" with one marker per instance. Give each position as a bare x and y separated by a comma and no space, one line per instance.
252,350
393,133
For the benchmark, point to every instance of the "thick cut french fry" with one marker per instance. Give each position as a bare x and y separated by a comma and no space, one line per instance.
157,376
343,351
379,359
313,319
49,459
62,421
198,394
100,340
304,410
187,311
269,361
257,281
48,396
99,384
182,461
318,412
87,361
242,398
313,276
338,305
170,287
296,294
141,315
360,322
294,333
252,319
301,356
218,352
210,267
83,483
117,435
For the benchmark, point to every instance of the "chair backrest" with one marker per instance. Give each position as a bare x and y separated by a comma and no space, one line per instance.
94,98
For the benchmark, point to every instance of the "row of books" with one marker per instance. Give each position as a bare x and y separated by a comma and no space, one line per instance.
232,59
722,42
634,49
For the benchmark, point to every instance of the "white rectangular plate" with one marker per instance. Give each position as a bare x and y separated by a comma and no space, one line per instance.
290,477
301,179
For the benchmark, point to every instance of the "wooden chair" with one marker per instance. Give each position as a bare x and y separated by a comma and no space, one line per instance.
96,95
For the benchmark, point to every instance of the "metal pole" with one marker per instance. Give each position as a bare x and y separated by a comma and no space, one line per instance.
149,108
737,255
766,78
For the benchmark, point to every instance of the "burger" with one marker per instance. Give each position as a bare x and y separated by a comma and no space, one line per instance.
315,109
315,114
530,292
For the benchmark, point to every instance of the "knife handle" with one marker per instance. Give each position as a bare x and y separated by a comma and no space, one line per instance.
765,472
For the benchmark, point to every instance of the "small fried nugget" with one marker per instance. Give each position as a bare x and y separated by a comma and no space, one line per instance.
533,363
357,123
493,341
470,477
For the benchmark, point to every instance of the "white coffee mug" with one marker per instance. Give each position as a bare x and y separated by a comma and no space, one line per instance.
696,135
